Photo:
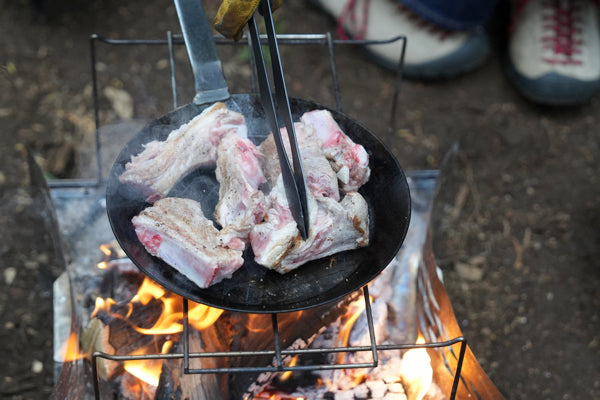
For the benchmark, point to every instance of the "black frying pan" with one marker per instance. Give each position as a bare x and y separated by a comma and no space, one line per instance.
254,288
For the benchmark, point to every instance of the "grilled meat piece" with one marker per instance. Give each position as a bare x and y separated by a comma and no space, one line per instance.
321,179
241,204
193,145
176,230
334,227
349,160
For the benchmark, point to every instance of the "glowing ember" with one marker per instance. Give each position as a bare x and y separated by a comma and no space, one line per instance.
102,265
106,249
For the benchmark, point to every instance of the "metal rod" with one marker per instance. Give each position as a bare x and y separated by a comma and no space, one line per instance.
96,108
370,324
292,352
277,341
282,38
461,357
399,76
351,349
95,375
172,64
334,77
186,337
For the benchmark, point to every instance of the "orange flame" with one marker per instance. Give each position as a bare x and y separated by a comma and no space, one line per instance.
147,370
71,349
286,375
169,322
351,316
106,249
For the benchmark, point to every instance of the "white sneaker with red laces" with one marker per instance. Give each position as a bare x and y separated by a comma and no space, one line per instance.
554,50
431,52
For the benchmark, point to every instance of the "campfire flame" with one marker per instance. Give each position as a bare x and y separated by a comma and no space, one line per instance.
147,370
71,349
165,329
416,371
169,322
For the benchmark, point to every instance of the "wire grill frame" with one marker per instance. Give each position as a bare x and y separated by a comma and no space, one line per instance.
277,353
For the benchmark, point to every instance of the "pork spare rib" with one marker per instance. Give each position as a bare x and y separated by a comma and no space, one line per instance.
320,178
176,230
334,227
193,145
241,204
349,160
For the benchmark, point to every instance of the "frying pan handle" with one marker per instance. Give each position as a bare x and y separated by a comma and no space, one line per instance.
206,66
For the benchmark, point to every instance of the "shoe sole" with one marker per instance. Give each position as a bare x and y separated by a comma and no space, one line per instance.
468,57
553,89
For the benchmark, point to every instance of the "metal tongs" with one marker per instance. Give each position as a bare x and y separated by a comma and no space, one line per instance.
293,179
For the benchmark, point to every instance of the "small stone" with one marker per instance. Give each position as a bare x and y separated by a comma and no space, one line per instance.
469,272
122,102
10,274
37,366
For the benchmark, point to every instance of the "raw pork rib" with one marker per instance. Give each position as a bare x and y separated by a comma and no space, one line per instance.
334,227
348,159
161,164
241,203
321,179
176,230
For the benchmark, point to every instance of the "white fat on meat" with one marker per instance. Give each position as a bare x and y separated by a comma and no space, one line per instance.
176,230
334,227
348,159
193,145
320,178
241,204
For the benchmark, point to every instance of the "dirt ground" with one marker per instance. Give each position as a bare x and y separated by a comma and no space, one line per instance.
516,223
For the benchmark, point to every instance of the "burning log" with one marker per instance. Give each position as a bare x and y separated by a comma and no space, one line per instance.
175,384
150,321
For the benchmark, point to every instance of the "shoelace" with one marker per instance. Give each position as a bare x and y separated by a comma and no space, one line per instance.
359,28
349,13
563,26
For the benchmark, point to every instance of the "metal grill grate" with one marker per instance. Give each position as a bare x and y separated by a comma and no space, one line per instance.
278,352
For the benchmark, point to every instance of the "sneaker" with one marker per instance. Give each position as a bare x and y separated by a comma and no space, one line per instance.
554,51
431,52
